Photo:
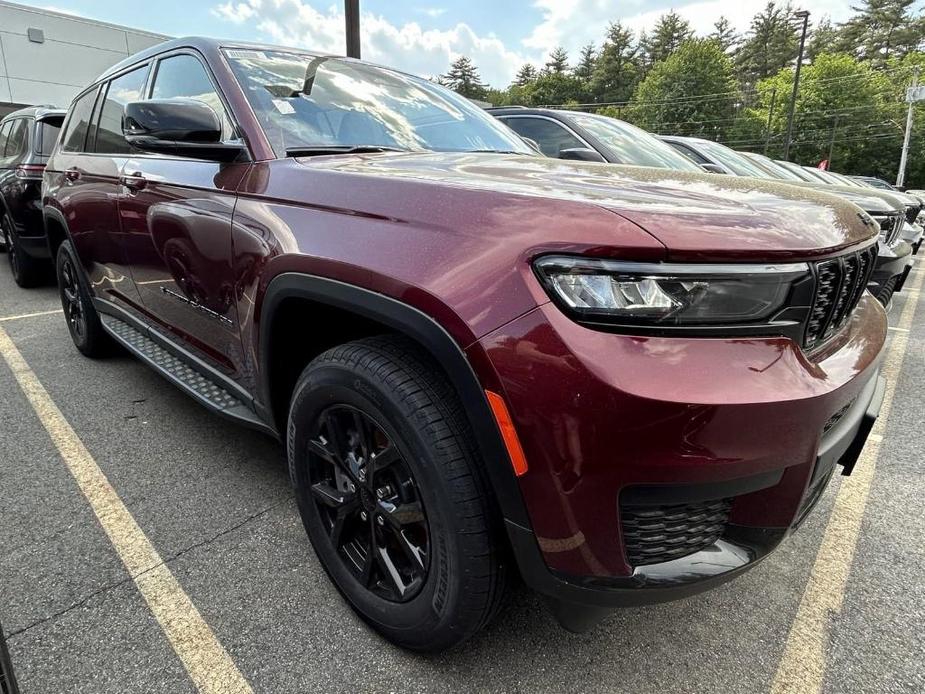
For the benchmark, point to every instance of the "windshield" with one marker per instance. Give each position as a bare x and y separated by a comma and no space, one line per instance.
633,145
731,159
773,168
313,103
824,176
796,170
877,183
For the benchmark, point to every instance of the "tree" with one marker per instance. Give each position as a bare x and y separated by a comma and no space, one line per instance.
585,68
825,38
555,89
882,29
618,69
525,75
464,78
671,30
771,44
724,34
670,99
558,62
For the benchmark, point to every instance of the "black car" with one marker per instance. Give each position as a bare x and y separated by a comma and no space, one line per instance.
27,137
591,137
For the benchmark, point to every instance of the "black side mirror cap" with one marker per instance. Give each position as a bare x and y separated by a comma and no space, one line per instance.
581,154
713,168
183,127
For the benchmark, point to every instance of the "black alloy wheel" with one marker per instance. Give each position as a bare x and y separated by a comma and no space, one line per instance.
370,504
71,301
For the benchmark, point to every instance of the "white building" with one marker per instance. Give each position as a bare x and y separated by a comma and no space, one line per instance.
48,57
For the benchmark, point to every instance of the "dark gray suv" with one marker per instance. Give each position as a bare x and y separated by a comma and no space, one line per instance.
27,137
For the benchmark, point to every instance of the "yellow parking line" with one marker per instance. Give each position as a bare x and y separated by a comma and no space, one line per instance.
802,666
209,666
30,315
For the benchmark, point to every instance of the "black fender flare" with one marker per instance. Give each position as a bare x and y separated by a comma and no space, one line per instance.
431,336
58,215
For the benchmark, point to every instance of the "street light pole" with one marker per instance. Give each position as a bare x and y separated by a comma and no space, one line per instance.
352,20
901,176
804,15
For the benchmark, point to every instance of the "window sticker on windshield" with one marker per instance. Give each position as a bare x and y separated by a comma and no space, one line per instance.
238,54
283,107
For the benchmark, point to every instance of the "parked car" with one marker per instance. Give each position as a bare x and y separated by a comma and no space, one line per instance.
591,137
27,137
628,385
894,259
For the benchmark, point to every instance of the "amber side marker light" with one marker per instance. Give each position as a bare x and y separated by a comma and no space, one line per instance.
508,433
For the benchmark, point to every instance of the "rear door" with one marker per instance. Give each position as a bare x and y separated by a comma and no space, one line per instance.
176,219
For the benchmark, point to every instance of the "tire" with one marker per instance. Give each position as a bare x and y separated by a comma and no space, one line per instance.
413,418
27,271
83,321
885,292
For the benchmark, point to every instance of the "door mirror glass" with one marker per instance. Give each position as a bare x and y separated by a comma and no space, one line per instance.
182,127
581,154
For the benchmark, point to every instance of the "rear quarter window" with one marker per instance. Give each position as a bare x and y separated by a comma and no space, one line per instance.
78,123
46,135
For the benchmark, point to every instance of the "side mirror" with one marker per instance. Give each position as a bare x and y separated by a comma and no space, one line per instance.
713,168
183,127
581,154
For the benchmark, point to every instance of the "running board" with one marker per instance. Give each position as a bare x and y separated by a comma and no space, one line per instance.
182,374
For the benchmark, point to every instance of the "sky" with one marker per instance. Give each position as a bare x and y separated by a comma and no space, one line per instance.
424,36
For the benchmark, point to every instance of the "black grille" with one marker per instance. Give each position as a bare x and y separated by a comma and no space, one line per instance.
912,213
840,282
655,534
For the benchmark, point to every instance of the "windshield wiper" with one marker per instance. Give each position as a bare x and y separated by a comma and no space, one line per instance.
319,150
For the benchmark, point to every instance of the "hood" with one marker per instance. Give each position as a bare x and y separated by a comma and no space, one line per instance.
696,216
871,201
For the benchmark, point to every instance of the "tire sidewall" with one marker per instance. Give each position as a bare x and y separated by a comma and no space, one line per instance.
89,342
331,384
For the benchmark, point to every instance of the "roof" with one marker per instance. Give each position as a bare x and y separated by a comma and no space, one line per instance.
37,112
203,45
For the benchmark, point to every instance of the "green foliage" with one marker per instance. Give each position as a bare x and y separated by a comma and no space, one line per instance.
882,29
725,36
771,43
586,63
464,78
667,100
558,62
618,69
525,75
670,32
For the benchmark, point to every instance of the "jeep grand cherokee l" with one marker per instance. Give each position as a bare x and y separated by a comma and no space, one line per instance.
628,384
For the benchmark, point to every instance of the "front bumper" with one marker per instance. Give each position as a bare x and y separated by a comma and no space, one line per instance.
893,265
912,234
605,417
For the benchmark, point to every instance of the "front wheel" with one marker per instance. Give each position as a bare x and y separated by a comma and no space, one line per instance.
391,492
27,271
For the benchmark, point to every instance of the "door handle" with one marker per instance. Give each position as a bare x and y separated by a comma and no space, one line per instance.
72,174
134,183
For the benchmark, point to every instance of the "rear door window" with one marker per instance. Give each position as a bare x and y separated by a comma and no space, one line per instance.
19,137
549,135
75,135
4,136
121,90
46,134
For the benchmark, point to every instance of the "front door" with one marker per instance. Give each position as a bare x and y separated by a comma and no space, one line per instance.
176,222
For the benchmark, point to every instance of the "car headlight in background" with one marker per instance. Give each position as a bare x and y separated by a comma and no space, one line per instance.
669,295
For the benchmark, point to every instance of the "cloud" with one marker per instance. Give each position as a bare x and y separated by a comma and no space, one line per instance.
408,47
433,11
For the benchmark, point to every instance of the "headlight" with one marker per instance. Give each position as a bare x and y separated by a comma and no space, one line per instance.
666,295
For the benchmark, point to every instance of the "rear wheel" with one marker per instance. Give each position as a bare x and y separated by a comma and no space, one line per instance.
83,321
27,271
390,490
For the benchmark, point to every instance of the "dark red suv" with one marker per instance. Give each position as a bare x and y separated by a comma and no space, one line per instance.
627,384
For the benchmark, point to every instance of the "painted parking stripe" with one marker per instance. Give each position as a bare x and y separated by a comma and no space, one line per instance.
802,667
209,666
37,314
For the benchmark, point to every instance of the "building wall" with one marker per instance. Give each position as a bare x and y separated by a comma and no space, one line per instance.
74,52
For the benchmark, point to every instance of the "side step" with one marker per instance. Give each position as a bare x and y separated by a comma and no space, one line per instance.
181,373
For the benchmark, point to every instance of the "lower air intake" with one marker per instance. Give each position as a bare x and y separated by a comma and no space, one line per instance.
656,534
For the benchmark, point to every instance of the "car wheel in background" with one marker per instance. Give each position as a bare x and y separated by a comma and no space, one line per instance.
392,493
27,271
83,321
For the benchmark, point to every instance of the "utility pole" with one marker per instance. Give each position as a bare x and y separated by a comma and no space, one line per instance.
767,134
804,15
901,176
352,19
832,141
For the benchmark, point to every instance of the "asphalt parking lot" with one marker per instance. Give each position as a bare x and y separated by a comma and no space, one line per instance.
214,501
